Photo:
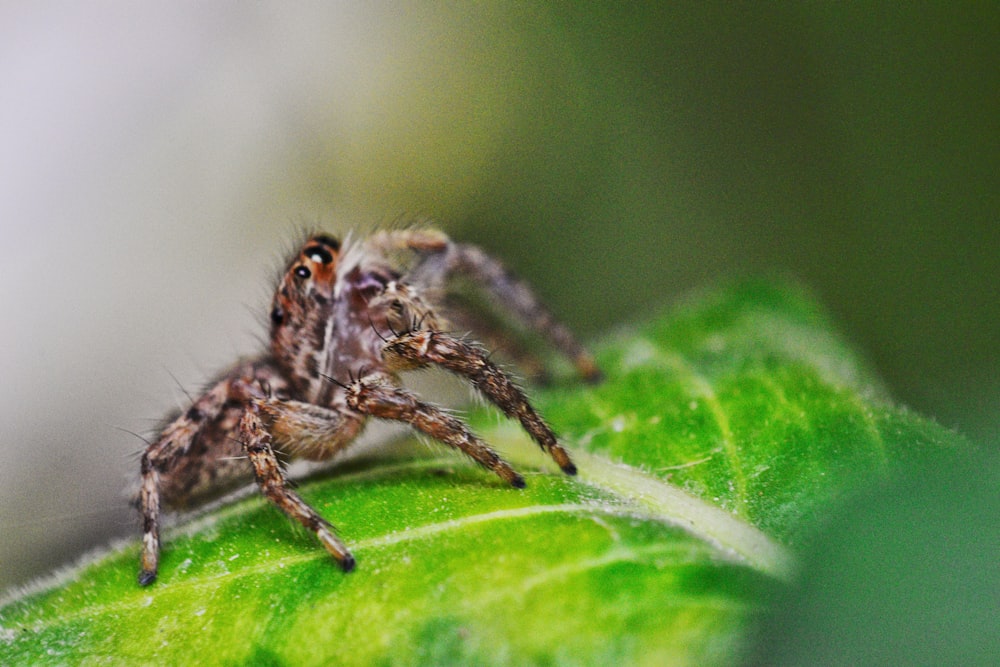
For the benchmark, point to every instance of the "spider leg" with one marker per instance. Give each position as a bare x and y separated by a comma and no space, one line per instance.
514,296
274,485
163,457
310,431
375,395
495,336
440,258
149,508
420,239
419,348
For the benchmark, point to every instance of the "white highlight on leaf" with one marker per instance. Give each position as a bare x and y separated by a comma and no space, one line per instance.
730,533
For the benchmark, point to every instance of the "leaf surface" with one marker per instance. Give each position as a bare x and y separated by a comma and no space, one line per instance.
724,429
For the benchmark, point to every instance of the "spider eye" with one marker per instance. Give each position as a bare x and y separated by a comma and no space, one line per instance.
318,253
277,315
302,272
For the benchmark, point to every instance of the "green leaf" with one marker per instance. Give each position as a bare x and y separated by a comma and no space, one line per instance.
723,430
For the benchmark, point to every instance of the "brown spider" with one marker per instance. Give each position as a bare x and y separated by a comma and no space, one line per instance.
345,320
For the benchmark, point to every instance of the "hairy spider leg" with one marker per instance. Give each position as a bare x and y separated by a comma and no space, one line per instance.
274,485
375,395
419,348
515,297
494,336
444,257
162,456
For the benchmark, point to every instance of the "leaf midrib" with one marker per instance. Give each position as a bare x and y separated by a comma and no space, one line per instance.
732,535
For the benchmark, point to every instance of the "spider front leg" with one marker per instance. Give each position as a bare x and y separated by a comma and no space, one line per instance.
415,349
274,485
375,395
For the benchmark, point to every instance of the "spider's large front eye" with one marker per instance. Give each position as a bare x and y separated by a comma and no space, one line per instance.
302,272
318,254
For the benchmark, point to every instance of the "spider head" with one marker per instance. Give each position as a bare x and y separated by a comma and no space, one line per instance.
303,301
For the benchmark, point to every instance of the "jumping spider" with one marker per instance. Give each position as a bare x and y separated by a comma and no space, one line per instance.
345,320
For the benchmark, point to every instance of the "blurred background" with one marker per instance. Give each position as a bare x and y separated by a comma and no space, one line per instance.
157,161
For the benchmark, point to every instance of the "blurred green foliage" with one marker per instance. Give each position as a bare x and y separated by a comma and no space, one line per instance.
905,573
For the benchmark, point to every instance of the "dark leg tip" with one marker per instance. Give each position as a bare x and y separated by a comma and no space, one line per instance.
146,578
569,469
518,482
348,563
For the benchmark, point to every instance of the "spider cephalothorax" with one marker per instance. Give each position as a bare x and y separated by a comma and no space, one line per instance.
346,319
